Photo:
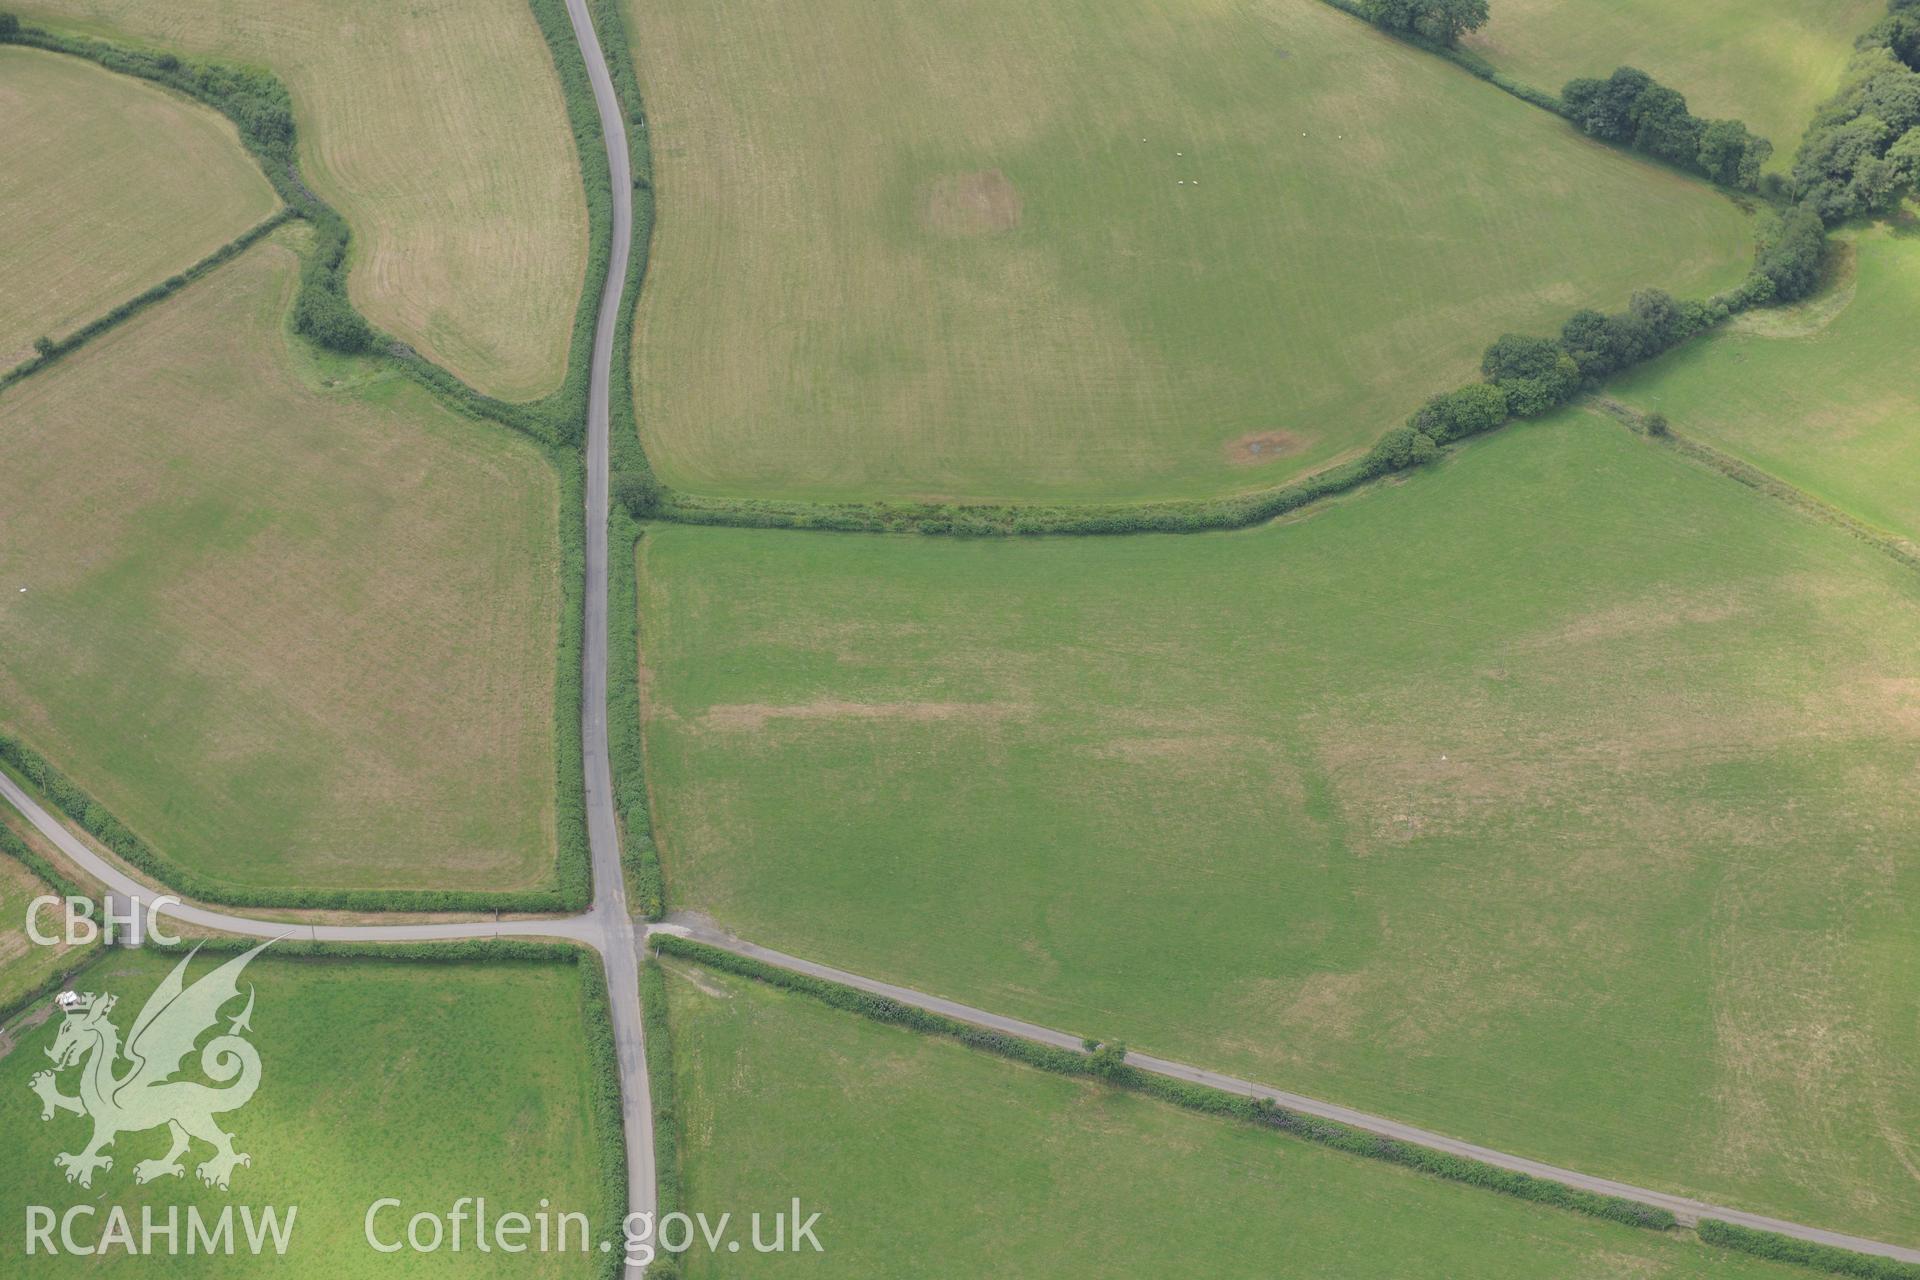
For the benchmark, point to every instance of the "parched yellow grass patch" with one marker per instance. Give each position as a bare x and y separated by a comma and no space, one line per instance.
291,633
438,129
111,185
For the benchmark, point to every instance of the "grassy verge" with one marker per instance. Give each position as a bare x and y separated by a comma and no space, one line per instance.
654,1009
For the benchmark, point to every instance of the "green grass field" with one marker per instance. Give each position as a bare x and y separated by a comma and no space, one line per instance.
25,964
112,186
1823,395
294,625
1557,799
438,129
417,1082
1768,62
919,1154
909,249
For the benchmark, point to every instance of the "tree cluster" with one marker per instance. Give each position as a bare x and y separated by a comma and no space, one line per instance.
1633,109
637,491
1899,31
1527,376
1441,21
1862,155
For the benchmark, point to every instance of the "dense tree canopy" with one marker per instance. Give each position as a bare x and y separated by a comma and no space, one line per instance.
1862,155
1444,21
1633,109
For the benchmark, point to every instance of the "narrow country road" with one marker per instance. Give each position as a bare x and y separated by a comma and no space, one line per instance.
1688,1211
608,927
618,942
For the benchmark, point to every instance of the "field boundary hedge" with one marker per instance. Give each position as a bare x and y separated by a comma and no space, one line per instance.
133,306
610,1149
1193,1097
1805,1253
1472,63
1743,472
670,1188
627,461
260,107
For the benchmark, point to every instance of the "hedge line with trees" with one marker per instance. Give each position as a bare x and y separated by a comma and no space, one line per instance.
1632,109
1523,376
1108,1062
1441,21
1465,59
1821,1257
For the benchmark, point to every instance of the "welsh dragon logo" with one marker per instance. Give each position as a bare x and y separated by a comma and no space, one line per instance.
145,1095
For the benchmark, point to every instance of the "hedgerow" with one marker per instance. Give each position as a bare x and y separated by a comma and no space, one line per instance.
1821,1257
609,1122
20,851
1472,63
1112,1068
47,350
669,1190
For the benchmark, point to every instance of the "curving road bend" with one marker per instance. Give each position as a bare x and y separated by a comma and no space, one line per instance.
608,927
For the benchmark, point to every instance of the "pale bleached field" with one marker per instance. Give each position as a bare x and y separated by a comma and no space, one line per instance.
294,630
438,129
111,185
